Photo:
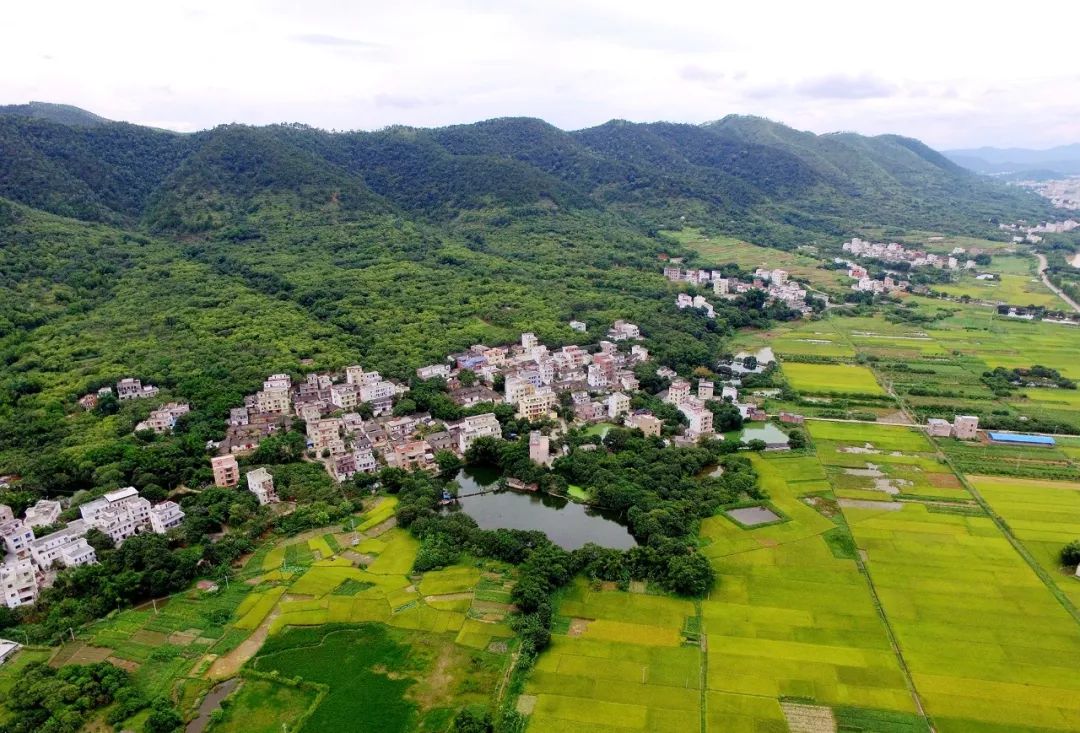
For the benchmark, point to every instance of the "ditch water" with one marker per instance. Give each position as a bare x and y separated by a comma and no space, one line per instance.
567,524
209,704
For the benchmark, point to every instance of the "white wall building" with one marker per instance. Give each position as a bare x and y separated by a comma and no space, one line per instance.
165,516
261,483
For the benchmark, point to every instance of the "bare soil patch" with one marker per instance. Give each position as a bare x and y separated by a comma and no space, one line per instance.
578,626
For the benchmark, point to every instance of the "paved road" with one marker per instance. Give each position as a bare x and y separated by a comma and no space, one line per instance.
1055,288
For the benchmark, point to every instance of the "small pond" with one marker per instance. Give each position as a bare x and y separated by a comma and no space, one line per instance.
752,516
210,703
567,524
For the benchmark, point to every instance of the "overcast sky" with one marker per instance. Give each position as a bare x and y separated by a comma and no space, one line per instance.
988,73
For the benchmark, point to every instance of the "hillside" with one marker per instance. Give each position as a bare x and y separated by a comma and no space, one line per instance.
740,175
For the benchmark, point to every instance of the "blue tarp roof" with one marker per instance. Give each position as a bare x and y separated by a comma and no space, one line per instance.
1021,438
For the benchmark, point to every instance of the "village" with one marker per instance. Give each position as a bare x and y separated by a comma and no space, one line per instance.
774,283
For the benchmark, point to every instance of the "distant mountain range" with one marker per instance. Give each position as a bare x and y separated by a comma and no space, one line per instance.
744,175
1019,163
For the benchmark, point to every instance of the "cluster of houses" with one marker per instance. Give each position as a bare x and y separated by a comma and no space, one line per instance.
31,561
774,283
963,427
128,388
894,252
1031,234
259,481
533,377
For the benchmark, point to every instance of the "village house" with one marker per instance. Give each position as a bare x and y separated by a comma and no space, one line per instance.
434,371
699,417
539,448
478,426
647,423
537,403
88,401
617,404
17,537
273,399
938,428
19,582
579,326
163,420
43,513
344,396
678,392
729,393
238,417
130,388
791,418
413,454
966,427
165,516
261,484
226,471
705,389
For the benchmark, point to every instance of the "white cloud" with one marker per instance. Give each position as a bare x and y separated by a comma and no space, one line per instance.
944,72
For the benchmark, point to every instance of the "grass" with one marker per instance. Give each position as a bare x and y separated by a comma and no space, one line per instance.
831,378
264,706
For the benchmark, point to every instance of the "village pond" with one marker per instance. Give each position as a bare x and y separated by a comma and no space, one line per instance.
567,524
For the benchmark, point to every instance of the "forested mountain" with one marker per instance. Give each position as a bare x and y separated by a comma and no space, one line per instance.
203,262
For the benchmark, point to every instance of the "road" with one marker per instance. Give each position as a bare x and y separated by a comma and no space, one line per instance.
1055,288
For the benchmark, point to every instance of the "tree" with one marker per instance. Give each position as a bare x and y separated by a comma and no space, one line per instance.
471,720
1070,553
750,362
690,575
449,463
467,377
163,718
797,439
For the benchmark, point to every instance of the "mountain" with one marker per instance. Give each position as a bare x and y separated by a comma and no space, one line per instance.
1057,162
64,114
747,176
202,262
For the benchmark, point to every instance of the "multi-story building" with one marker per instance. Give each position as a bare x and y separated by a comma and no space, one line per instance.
699,416
226,471
705,389
537,404
163,420
377,391
646,423
365,461
238,417
938,428
579,326
6,515
44,512
529,341
344,396
273,400
433,371
354,374
18,582
119,514
130,388
261,483
966,427
516,387
413,454
597,377
478,426
17,537
729,393
165,516
618,404
678,392
539,448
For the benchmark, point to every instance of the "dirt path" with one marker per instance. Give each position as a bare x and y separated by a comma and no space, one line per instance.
1046,281
229,665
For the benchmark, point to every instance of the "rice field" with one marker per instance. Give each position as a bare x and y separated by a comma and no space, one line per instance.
831,378
976,627
619,664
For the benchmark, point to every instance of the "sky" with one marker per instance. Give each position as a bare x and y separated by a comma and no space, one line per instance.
955,75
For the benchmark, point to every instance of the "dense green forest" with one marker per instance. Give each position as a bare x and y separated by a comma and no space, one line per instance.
201,263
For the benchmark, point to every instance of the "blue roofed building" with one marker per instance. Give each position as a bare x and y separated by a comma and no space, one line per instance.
1022,439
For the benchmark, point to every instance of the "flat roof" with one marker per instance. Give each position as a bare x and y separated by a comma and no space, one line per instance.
1022,438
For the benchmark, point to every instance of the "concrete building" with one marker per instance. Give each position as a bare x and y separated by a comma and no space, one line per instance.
226,471
700,417
122,519
705,389
377,391
938,428
165,516
529,341
579,326
130,388
536,404
42,513
678,392
433,371
344,396
18,583
6,515
729,393
539,448
618,404
48,549
261,483
966,427
274,400
17,537
239,416
478,426
646,423
354,374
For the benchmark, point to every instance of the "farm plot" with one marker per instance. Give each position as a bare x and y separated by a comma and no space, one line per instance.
831,379
1043,515
264,706
976,627
382,679
792,615
619,664
1054,464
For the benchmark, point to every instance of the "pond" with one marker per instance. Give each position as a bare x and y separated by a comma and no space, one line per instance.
567,524
210,703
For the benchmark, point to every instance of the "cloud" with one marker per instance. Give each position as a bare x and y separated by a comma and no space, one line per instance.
699,73
840,86
401,101
323,39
